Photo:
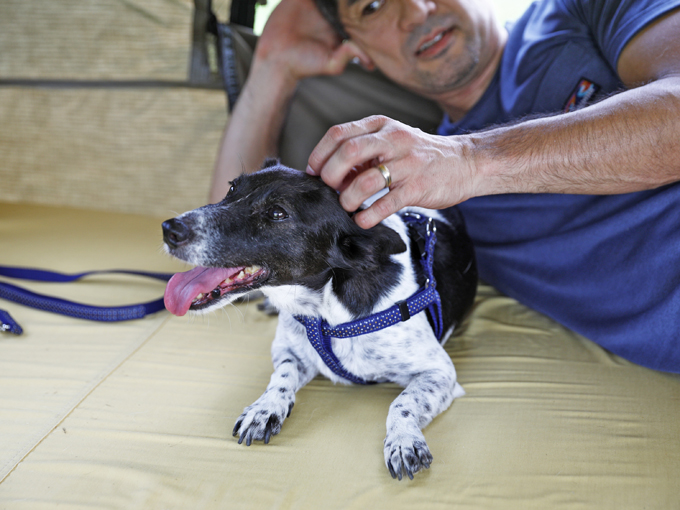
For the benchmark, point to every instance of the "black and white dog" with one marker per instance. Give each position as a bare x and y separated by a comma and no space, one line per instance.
285,233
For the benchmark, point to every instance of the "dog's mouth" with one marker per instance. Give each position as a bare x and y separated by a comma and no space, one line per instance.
205,286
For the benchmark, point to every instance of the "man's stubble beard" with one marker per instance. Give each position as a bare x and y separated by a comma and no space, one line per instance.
451,75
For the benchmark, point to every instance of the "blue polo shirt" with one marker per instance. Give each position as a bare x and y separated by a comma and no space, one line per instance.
608,267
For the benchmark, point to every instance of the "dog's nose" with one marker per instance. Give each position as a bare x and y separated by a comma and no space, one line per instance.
175,233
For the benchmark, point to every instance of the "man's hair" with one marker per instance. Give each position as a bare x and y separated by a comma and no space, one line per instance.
329,10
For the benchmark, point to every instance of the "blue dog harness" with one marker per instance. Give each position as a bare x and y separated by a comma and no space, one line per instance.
319,332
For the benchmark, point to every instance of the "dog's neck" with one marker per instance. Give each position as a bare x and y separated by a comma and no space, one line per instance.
302,300
346,295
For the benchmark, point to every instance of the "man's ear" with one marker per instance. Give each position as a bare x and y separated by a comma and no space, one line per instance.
364,60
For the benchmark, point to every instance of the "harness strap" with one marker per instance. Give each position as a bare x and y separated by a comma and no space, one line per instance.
319,332
427,262
322,344
70,308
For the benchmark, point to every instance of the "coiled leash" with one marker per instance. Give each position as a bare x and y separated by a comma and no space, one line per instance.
319,332
70,308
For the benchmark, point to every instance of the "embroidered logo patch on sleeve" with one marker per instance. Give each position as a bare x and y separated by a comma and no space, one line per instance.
582,95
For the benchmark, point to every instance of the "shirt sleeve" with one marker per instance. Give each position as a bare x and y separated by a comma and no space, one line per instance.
613,23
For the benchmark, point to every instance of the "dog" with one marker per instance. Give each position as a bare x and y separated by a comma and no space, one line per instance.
284,232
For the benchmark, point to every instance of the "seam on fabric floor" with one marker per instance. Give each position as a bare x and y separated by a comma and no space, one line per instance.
17,459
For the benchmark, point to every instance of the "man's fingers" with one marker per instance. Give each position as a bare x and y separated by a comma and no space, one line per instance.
327,146
340,57
380,209
361,188
340,138
359,153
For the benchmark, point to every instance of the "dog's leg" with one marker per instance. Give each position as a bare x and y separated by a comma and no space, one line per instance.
265,416
427,395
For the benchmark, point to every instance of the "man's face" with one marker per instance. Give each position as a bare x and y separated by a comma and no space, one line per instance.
429,46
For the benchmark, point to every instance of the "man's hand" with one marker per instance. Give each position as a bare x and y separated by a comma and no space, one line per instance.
300,42
428,171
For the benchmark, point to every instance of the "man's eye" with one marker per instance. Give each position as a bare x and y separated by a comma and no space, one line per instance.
372,7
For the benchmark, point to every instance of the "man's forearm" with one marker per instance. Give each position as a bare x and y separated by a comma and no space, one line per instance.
254,127
625,143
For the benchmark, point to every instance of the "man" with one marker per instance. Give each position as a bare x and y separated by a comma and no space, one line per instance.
575,214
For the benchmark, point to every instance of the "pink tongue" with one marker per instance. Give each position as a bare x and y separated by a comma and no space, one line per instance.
183,288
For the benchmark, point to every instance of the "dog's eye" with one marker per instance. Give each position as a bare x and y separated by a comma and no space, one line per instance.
231,187
277,213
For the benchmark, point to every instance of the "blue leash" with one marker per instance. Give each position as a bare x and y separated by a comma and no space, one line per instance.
70,308
319,332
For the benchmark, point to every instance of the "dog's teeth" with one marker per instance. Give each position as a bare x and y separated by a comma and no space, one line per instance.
240,275
199,297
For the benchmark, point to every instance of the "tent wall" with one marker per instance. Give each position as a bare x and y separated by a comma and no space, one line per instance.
96,109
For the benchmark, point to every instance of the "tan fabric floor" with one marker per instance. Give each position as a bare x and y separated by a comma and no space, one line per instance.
139,415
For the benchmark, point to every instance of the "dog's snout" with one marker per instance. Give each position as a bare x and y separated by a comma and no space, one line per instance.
176,232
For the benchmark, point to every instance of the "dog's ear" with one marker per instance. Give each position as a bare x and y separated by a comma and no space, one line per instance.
270,162
366,250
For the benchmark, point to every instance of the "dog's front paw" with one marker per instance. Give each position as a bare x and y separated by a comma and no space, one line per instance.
407,452
261,420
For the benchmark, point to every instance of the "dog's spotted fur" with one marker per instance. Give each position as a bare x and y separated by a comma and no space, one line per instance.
320,263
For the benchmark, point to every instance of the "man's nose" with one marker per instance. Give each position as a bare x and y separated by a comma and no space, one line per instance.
415,12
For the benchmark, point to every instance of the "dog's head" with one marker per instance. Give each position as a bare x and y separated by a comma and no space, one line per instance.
275,227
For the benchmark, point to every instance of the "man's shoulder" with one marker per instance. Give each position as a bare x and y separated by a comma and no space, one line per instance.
609,24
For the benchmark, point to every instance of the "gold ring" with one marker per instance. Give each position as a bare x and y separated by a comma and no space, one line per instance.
386,174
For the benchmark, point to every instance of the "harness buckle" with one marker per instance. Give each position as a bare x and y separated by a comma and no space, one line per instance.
403,310
412,215
431,226
8,324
